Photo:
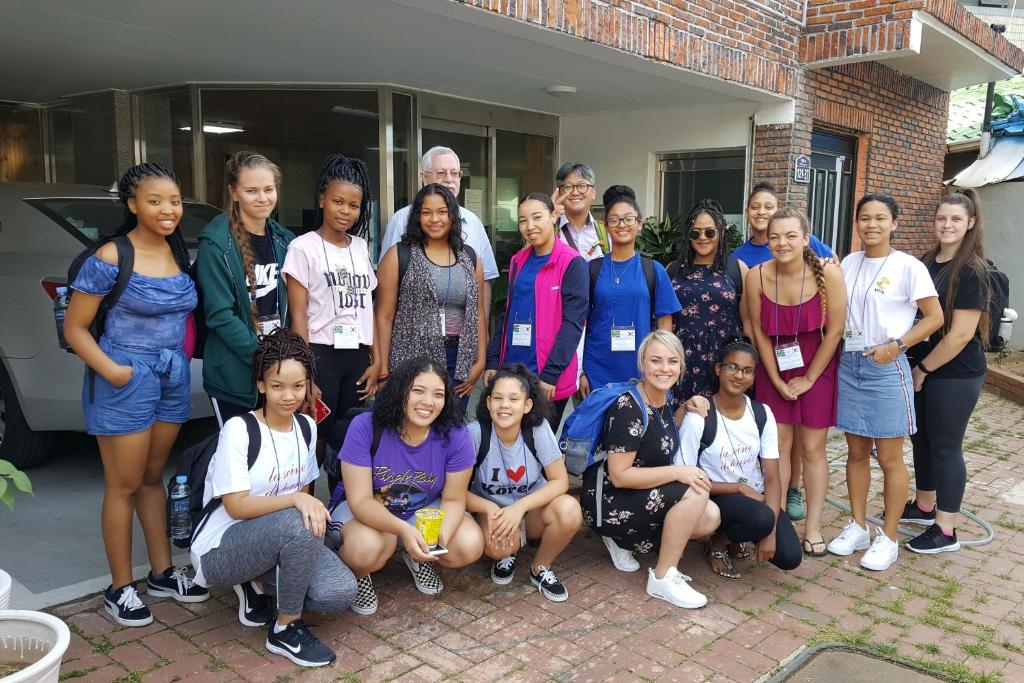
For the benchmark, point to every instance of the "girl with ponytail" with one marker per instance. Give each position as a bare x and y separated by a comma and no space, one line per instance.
797,308
241,253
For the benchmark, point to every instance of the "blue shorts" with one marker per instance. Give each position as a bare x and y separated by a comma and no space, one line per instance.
875,400
158,390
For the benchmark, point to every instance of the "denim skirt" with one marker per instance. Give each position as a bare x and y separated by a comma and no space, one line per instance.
875,400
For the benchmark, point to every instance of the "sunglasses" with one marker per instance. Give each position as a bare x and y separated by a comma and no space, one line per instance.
708,233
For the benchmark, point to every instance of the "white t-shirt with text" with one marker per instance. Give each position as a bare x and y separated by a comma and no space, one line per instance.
882,294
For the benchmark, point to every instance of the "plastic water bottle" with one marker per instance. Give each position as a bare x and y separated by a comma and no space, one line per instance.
181,520
60,310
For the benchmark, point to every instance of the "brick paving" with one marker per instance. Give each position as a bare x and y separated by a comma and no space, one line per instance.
960,614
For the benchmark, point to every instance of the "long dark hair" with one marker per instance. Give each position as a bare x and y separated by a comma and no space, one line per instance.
389,409
126,188
347,170
280,345
687,253
970,254
531,386
414,231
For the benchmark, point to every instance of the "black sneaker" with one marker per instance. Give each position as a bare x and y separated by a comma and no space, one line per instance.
933,541
126,607
299,645
915,515
503,570
549,585
174,583
254,609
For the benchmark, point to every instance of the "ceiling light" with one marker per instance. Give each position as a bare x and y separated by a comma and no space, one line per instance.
218,128
354,111
560,90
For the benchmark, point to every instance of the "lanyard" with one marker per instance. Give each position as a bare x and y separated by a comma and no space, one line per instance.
352,275
277,459
803,279
616,277
867,288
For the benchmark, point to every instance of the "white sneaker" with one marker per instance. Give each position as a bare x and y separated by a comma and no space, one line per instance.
622,559
854,537
882,554
674,588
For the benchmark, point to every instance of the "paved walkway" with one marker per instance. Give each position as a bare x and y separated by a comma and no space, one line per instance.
959,614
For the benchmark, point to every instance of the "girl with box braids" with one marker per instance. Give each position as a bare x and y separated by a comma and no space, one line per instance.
126,190
280,345
347,170
688,254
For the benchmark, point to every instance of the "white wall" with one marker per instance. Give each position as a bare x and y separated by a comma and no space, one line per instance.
622,146
1004,241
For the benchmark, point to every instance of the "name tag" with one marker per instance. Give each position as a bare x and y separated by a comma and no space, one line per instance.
623,339
853,340
522,333
788,356
269,323
346,337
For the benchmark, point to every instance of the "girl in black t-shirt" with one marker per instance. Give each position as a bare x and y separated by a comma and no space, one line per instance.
949,372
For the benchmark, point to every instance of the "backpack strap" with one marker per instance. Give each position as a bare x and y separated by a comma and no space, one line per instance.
252,427
568,238
375,443
485,443
307,431
125,267
651,277
672,269
471,253
732,269
760,415
707,437
404,254
595,272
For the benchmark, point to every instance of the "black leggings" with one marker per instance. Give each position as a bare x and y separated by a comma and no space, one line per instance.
747,520
943,407
337,371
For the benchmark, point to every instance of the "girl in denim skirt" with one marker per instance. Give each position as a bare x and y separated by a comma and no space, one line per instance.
136,391
886,290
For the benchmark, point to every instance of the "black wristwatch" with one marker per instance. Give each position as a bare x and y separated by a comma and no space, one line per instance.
900,344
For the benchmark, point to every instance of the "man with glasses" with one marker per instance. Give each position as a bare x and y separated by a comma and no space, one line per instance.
574,193
441,165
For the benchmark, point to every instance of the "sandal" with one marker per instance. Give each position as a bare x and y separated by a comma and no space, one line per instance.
809,548
720,563
740,551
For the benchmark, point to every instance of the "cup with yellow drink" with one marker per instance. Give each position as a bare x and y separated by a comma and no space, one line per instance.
428,523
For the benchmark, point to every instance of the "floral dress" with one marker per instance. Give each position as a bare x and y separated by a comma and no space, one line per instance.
633,518
710,316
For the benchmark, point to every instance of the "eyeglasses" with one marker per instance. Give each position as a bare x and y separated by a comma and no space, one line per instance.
733,369
579,188
628,221
709,233
454,175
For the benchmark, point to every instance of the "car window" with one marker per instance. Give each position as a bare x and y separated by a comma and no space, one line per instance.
91,218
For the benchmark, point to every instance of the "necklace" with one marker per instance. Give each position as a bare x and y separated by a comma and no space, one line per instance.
406,439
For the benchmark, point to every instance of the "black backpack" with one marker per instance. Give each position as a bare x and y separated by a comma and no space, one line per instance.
194,461
125,266
199,312
732,269
999,299
649,275
711,426
335,439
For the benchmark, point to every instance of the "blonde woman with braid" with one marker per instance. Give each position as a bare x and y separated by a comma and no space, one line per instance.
797,308
241,253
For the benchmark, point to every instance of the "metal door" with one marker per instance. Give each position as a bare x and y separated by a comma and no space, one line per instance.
830,194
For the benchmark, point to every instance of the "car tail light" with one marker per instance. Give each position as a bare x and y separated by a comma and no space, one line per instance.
50,285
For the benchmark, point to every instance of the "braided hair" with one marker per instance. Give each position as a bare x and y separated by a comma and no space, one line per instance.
126,188
810,258
531,387
389,407
687,253
347,170
239,162
280,345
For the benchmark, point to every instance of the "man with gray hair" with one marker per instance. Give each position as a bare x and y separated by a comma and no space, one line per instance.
441,165
573,195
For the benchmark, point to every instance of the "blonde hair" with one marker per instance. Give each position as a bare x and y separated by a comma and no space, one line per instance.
810,258
669,340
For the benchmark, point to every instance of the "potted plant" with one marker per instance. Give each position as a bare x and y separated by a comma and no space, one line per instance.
11,479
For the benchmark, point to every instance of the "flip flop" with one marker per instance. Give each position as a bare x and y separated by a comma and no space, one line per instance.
740,551
725,569
809,546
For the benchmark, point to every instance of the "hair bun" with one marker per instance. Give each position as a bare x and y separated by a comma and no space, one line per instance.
617,193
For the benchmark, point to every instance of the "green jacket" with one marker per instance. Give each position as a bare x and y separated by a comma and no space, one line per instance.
231,338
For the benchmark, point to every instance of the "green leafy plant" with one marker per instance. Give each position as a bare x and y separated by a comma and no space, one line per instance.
12,478
660,239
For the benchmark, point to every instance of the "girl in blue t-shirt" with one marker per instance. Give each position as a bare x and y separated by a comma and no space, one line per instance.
423,459
519,485
622,285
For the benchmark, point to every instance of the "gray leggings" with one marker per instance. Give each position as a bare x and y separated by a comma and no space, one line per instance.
943,407
276,548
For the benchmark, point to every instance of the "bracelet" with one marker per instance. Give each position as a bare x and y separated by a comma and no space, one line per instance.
922,368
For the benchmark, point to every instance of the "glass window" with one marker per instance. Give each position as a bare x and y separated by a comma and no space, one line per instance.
525,164
21,151
686,178
297,130
166,119
84,140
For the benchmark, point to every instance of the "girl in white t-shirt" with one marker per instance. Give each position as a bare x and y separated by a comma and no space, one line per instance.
330,289
886,290
268,528
742,462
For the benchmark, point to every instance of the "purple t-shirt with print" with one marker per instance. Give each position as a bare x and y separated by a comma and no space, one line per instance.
406,478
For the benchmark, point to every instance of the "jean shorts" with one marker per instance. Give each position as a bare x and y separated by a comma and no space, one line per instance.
875,400
158,390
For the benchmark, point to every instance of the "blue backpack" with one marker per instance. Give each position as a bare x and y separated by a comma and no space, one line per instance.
581,435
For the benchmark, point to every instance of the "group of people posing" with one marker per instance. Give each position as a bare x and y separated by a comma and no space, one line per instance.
734,367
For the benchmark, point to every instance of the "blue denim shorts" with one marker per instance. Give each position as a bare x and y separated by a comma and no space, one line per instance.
158,390
875,400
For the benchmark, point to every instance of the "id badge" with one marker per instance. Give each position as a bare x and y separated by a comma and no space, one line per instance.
853,340
623,339
788,357
441,316
269,323
522,333
346,337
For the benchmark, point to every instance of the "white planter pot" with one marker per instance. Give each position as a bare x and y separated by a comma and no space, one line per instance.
5,589
27,636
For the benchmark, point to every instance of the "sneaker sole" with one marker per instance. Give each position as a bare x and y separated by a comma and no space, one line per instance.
426,590
364,611
856,548
879,568
934,551
917,521
130,623
553,597
659,596
285,652
156,592
242,618
502,581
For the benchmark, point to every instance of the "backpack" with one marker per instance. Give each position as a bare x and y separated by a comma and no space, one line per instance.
485,444
732,269
198,314
194,461
649,275
711,426
999,301
332,462
581,434
125,266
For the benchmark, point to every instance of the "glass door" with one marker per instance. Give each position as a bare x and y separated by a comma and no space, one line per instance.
829,206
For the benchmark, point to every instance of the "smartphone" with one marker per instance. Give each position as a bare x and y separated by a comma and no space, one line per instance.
437,549
321,410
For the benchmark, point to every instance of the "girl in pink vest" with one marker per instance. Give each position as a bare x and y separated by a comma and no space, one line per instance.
546,307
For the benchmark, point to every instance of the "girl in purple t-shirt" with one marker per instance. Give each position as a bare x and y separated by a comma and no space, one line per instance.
424,459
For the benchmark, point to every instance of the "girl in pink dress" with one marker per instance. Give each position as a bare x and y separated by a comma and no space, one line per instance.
797,337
